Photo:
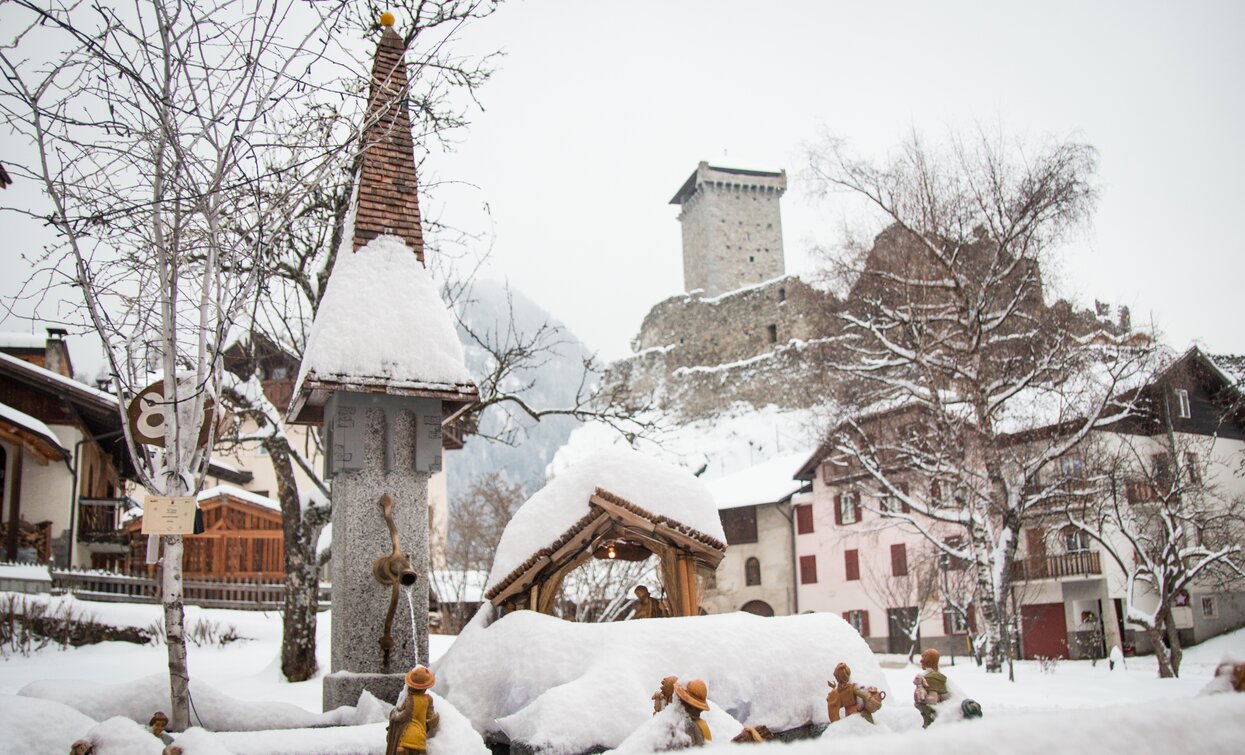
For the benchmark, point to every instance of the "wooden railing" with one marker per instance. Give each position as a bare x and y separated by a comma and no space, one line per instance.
243,594
1079,564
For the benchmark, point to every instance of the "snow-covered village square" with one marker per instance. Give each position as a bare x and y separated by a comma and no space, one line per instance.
550,377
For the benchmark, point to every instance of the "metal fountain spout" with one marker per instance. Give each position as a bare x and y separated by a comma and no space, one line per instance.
393,571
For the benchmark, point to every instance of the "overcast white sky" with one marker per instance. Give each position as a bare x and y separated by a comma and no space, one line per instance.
600,110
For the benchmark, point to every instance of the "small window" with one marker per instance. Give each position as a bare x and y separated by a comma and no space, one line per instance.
949,562
1162,466
899,560
1072,466
849,507
859,621
772,332
782,294
803,519
1193,468
1182,397
808,570
752,572
851,565
280,373
1210,607
1075,540
955,622
751,258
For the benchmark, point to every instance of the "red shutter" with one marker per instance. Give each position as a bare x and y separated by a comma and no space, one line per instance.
903,486
803,519
851,564
847,616
935,493
946,622
972,618
899,559
808,570
838,509
864,623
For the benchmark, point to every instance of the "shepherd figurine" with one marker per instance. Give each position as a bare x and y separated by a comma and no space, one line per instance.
695,698
414,721
846,697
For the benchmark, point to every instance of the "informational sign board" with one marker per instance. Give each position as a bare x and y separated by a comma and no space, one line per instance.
150,411
169,515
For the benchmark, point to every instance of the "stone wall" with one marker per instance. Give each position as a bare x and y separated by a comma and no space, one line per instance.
738,325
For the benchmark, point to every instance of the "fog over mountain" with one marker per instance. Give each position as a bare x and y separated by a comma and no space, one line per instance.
553,383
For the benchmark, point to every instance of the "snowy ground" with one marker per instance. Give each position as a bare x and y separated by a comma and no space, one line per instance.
249,671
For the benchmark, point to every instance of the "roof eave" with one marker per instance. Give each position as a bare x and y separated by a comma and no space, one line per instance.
307,406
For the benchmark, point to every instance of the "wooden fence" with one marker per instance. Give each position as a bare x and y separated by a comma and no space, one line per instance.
243,594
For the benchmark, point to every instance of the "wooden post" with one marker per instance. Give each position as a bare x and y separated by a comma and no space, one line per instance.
532,597
15,507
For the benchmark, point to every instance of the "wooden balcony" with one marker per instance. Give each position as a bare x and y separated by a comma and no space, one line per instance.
98,522
1079,564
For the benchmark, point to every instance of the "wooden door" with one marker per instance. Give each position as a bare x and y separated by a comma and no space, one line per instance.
1044,631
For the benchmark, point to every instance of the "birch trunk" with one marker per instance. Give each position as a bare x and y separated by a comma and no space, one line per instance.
175,632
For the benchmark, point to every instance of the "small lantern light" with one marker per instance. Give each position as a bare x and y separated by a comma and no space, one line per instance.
612,553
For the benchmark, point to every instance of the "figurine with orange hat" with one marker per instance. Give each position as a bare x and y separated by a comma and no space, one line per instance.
695,698
413,721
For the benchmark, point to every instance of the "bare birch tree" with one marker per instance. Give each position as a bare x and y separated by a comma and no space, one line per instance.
915,592
156,133
1162,514
947,315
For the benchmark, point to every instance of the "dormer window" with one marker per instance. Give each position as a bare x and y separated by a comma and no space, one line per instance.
1182,398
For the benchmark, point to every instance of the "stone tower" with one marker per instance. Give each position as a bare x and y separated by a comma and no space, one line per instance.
732,228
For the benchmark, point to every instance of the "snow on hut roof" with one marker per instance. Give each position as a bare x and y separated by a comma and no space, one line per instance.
33,426
768,482
1231,365
382,326
220,491
649,487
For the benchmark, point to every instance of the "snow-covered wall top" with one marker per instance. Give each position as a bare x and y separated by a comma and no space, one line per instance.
382,322
655,486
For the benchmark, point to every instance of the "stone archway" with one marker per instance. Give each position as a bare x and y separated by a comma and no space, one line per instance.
758,607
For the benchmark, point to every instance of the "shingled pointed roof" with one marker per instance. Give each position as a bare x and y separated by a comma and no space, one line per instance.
382,326
388,201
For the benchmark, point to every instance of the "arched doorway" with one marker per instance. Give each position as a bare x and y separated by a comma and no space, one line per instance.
758,607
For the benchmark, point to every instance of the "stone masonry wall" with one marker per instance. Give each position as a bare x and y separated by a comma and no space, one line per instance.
732,237
736,326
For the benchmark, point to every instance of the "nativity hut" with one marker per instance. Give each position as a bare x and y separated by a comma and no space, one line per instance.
616,504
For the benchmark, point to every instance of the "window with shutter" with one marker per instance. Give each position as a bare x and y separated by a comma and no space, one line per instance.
899,559
808,570
851,564
838,509
859,621
752,572
803,519
848,508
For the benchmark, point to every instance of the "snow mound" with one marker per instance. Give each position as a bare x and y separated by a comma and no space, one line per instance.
121,736
382,321
1212,726
667,731
654,486
40,725
560,686
212,710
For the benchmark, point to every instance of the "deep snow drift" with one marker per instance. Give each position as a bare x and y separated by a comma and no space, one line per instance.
567,687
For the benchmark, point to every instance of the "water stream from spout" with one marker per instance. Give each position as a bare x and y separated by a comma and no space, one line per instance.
410,601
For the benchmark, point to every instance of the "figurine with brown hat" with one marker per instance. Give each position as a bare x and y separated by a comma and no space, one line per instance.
847,698
413,721
695,699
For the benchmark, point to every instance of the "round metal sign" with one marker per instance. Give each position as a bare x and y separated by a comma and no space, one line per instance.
150,410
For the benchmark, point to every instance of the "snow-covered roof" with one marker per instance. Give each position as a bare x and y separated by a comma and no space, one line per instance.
218,491
55,377
14,340
1231,365
662,491
33,426
767,482
382,326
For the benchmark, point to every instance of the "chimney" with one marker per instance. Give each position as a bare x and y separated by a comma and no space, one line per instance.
56,353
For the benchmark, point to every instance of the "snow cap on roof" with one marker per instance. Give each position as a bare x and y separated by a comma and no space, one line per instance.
35,427
768,482
658,488
220,491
